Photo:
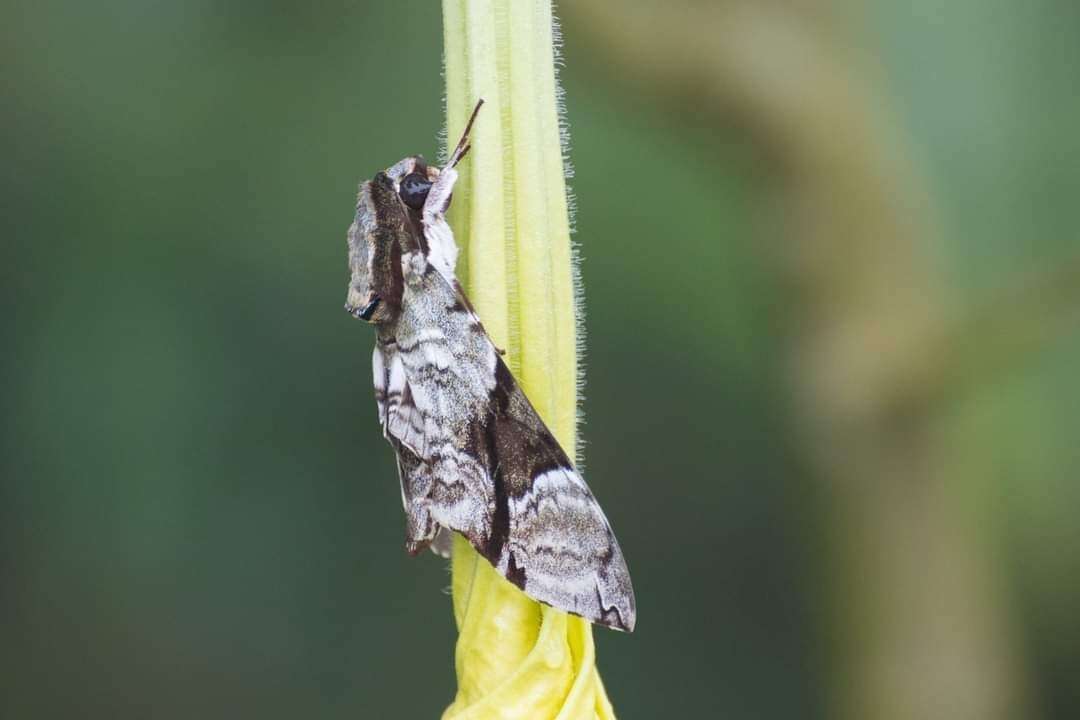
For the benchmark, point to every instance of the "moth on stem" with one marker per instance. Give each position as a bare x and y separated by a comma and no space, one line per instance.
474,456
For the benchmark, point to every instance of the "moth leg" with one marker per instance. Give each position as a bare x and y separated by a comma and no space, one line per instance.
442,250
438,199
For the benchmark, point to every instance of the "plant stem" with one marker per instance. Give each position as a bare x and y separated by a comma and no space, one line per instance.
516,657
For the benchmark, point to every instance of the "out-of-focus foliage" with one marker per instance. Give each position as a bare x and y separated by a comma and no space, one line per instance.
197,516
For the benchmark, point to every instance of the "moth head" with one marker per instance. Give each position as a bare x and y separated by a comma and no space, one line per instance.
387,225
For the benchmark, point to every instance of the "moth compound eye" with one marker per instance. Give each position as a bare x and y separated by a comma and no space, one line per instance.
414,190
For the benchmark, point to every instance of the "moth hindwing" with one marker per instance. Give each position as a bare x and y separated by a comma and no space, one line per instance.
473,455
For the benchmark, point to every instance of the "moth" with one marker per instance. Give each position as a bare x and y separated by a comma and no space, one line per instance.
473,455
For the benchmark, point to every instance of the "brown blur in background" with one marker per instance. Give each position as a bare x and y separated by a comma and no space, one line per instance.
832,271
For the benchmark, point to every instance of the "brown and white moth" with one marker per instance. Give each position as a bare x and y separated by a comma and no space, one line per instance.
473,455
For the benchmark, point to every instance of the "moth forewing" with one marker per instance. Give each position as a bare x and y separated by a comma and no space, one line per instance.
473,454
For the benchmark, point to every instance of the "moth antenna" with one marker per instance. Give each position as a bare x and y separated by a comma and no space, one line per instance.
463,143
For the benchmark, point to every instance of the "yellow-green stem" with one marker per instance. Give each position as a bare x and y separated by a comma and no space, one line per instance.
516,658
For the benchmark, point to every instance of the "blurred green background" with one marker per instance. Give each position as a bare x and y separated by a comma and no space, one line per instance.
830,263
